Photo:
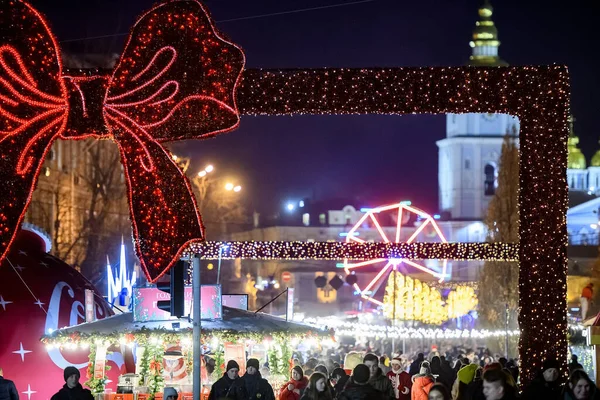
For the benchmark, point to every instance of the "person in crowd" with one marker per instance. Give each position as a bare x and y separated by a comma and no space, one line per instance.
574,364
422,382
383,364
294,388
475,389
464,377
513,367
447,372
310,365
437,370
318,388
378,380
358,387
496,387
338,380
580,387
72,389
257,388
323,369
416,365
170,393
546,384
587,294
400,380
229,386
8,390
439,392
503,361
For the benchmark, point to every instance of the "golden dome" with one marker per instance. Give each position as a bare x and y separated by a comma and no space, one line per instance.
596,160
575,158
485,40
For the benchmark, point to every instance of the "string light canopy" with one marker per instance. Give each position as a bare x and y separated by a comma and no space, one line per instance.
157,93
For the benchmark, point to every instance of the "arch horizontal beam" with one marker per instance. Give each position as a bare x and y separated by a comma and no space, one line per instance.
271,250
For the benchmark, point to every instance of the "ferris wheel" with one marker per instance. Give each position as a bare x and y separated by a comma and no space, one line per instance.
401,213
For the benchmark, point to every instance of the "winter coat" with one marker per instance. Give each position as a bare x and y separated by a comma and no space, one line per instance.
339,386
226,388
354,391
285,394
421,386
8,390
383,384
540,389
402,384
326,395
257,388
77,393
475,390
415,367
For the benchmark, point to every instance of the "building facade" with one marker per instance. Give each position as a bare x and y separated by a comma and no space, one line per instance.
468,156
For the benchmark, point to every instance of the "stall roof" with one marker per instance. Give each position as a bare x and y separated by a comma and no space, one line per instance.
233,320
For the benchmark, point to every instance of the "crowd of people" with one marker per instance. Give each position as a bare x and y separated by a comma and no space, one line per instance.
432,378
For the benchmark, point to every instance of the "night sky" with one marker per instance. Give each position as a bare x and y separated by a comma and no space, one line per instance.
373,159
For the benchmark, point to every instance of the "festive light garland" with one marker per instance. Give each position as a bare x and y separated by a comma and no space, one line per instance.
352,251
372,330
183,337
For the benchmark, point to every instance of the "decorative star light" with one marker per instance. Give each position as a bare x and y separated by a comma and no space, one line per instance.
3,302
39,303
22,352
29,392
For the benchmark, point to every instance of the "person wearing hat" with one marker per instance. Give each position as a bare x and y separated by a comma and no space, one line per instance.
358,387
400,380
170,393
8,390
72,389
546,384
229,386
294,388
257,388
422,382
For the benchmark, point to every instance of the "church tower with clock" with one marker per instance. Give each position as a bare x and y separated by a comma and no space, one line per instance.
469,155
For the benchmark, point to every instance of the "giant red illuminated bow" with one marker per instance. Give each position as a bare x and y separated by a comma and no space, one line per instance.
175,80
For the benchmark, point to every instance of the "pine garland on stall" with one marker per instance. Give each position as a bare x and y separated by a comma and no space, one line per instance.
96,385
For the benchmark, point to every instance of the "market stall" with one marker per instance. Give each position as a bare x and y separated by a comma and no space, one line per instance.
159,353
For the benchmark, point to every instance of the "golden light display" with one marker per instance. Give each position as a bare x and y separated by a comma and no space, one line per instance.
408,299
460,301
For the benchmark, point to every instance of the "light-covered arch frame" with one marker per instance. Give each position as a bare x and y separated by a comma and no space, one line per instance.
538,95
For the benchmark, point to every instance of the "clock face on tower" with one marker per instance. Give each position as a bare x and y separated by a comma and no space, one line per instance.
489,116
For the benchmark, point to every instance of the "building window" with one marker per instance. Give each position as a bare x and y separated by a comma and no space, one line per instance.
306,219
322,219
76,180
467,164
51,155
489,185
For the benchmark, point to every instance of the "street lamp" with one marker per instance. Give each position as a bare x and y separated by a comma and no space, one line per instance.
209,168
290,207
229,186
237,188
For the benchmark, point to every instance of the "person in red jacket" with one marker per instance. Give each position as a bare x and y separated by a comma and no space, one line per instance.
400,380
295,387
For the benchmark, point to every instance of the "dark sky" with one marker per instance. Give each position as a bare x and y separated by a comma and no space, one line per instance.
376,158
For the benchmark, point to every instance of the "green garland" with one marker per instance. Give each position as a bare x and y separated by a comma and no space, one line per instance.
96,385
146,336
145,366
219,357
157,381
